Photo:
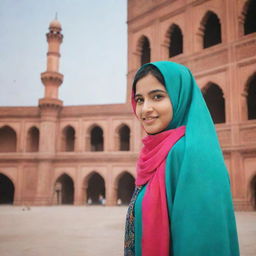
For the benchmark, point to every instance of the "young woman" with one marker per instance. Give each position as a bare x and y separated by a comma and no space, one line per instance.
182,204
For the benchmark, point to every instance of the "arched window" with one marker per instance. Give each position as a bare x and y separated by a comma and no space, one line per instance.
97,142
8,139
125,188
251,97
144,50
6,190
95,189
176,41
32,140
215,101
68,139
212,30
64,190
250,18
124,138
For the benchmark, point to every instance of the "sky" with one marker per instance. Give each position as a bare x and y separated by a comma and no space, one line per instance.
93,53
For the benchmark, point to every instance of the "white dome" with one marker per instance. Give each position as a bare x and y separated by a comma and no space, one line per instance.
55,24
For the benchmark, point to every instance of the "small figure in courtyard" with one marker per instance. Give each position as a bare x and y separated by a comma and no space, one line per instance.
182,204
26,207
89,201
100,199
119,202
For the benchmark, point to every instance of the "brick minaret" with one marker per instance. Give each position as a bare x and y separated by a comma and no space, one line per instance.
50,106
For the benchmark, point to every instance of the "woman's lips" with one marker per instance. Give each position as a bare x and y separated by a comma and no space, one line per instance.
149,120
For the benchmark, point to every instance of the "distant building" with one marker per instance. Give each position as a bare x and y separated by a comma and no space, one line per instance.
55,154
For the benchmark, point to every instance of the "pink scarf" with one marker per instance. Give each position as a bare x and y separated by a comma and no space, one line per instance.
151,170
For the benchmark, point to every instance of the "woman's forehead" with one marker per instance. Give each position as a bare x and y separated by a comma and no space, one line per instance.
147,84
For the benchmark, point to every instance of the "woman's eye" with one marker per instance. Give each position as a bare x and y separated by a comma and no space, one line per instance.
158,97
138,100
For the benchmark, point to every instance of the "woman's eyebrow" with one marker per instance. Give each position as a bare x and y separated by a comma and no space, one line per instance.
157,90
137,95
151,92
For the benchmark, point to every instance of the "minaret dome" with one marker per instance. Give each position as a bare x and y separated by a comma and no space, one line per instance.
55,26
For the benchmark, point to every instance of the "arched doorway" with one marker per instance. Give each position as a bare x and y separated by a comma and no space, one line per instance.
253,191
95,189
64,190
144,50
97,141
33,140
215,101
125,188
6,190
250,21
8,139
124,138
212,30
68,139
251,98
176,41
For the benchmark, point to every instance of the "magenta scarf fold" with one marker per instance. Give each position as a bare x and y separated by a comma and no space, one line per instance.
151,170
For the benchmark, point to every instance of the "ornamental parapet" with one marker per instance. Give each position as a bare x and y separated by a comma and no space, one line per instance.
55,78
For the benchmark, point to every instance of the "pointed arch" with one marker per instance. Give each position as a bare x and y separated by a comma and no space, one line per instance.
174,40
68,139
8,139
94,185
64,190
123,135
7,190
211,28
125,184
215,102
251,97
32,144
143,49
249,14
96,138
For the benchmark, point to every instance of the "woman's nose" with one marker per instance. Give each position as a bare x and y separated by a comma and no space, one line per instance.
147,107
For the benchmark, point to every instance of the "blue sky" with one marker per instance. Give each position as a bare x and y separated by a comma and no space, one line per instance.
94,50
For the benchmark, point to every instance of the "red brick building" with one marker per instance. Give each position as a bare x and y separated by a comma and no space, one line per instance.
53,154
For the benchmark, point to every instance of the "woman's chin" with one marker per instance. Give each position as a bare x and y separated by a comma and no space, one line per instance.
152,130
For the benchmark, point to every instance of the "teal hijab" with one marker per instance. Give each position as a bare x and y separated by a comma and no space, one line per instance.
201,214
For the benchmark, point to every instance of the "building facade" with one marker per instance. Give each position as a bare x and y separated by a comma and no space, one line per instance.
55,154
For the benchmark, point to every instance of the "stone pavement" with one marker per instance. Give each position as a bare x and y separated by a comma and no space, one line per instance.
82,231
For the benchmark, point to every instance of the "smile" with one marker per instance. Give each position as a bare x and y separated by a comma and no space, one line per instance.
149,120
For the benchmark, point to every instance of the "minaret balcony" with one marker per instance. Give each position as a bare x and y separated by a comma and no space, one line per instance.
50,104
53,78
54,36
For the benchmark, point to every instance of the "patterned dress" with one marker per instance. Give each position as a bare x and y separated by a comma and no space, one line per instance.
129,240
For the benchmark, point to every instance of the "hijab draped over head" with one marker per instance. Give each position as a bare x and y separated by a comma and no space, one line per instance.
199,211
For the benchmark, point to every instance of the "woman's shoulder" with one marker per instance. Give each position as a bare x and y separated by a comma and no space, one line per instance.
177,151
179,146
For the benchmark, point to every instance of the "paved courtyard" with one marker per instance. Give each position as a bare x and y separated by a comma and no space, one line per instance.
82,231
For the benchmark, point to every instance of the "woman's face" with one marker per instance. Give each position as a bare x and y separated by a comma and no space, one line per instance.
153,105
